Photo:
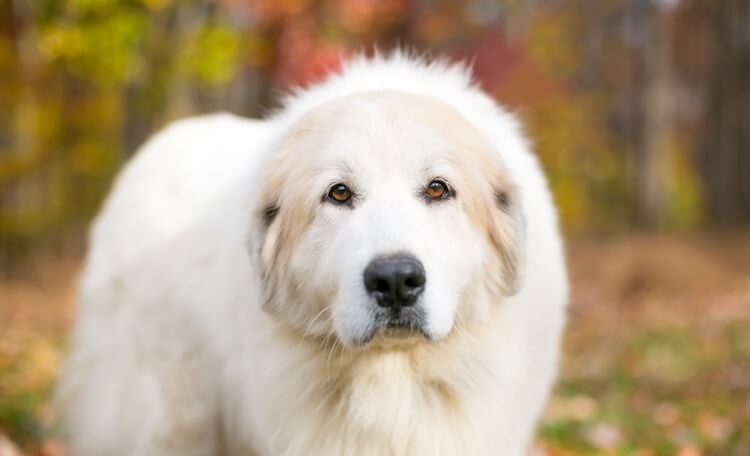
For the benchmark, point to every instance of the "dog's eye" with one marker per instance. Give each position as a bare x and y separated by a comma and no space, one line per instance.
339,193
437,190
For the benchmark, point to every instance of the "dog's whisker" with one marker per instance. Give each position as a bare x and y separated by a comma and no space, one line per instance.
312,322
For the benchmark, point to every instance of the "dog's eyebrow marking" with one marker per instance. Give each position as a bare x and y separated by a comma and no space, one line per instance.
503,199
269,213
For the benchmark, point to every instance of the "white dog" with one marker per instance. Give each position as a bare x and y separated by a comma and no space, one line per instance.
375,270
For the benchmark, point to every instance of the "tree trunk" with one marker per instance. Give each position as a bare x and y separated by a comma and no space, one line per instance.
725,157
656,122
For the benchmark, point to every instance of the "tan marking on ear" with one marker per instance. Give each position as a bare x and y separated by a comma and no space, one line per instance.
284,189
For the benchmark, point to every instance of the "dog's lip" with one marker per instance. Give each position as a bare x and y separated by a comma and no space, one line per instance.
400,329
396,326
397,323
400,325
396,333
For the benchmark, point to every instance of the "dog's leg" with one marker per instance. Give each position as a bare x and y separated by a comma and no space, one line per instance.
128,388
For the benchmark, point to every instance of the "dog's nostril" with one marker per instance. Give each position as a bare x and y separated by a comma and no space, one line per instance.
382,286
395,281
413,282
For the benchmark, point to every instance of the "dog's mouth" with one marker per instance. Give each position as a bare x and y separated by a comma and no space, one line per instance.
398,327
399,331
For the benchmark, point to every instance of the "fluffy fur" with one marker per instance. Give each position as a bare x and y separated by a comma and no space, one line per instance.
222,309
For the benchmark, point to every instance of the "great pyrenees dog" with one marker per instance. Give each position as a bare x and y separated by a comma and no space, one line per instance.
376,269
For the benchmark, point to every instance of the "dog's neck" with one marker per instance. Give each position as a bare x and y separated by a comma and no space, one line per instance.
411,366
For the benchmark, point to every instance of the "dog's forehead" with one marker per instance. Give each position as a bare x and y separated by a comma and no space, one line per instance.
389,126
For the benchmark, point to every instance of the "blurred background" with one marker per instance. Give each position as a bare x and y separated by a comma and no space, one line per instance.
638,109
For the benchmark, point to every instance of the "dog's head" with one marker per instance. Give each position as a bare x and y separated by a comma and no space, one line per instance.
386,214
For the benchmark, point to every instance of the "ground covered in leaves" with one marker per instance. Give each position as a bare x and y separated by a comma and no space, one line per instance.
657,353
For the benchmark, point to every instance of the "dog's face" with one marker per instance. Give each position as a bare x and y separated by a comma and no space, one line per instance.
386,214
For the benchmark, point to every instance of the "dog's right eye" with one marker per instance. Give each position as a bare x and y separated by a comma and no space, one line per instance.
339,194
437,190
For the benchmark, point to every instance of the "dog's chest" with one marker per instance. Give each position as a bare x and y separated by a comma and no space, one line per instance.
386,409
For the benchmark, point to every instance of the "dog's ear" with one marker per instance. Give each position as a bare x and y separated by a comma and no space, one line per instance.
507,233
262,240
282,211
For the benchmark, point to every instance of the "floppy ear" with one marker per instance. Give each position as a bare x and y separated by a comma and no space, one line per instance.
262,243
279,218
507,233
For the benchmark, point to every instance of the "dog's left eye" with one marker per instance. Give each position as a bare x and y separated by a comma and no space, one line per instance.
339,193
437,190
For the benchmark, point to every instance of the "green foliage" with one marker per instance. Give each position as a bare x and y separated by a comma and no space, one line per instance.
211,54
26,381
683,193
583,164
98,48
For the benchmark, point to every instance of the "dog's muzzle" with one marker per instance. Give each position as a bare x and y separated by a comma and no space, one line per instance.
396,282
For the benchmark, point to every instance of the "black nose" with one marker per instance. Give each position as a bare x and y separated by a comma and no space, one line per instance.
395,281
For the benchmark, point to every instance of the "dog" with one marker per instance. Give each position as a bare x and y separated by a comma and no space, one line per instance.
375,269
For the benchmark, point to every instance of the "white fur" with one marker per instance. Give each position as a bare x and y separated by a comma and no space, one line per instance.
173,354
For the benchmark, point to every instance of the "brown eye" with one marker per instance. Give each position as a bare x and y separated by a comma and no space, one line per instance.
437,190
339,193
